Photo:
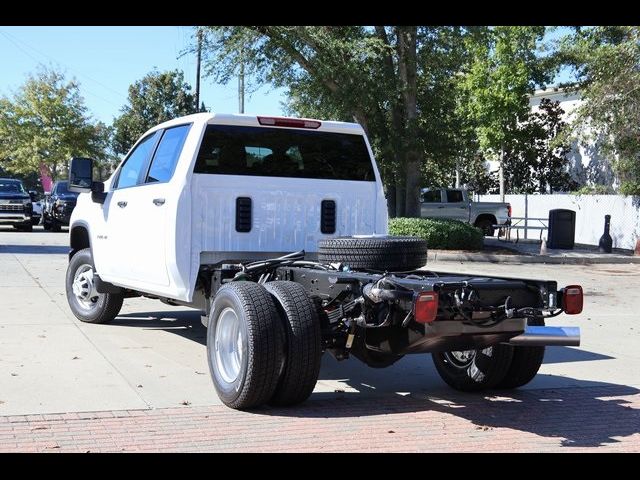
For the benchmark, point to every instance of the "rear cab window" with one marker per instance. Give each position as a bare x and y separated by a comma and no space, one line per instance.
454,196
431,196
283,152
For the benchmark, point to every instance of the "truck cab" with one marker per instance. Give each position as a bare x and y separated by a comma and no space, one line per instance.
457,204
212,188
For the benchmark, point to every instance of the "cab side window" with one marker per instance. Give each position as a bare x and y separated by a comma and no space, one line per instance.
167,154
136,161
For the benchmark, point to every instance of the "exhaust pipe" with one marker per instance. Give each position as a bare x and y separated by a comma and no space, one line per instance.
547,336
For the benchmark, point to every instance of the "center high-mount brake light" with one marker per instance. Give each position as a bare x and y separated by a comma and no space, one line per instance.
425,307
572,299
289,122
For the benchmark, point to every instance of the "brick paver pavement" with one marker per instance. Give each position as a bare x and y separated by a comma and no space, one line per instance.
604,418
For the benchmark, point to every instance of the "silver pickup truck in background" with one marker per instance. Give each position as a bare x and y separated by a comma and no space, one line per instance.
456,204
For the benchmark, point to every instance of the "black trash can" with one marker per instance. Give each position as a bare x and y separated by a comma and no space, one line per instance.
562,228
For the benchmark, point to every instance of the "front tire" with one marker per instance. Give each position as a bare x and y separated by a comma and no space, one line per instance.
55,225
244,345
85,302
303,349
474,370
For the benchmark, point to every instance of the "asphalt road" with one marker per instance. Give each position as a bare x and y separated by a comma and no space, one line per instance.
153,355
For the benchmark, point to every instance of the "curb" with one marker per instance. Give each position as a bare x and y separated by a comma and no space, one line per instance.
443,256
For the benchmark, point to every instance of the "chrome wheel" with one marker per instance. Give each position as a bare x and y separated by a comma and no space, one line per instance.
230,345
84,288
460,358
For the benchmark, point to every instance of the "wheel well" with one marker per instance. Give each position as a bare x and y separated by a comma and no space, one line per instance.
79,239
486,216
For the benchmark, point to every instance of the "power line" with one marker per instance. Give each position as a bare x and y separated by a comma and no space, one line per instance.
15,41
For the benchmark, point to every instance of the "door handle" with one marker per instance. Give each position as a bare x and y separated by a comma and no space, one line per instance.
122,204
158,201
441,207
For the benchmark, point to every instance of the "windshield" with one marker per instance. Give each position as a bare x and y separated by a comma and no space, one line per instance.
11,186
278,152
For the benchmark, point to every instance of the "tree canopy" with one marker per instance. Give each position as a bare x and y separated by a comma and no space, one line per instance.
606,62
395,81
155,98
45,123
428,97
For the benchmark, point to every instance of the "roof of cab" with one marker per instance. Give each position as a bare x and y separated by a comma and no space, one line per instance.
252,121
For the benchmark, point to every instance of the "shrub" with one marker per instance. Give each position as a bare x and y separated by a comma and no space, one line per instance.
594,190
440,233
630,188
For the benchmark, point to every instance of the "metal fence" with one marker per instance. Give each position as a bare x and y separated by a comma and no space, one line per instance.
590,211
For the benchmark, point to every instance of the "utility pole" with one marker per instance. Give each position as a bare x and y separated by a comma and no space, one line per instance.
501,174
199,37
241,86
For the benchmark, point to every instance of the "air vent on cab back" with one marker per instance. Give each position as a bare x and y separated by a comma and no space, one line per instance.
328,216
243,214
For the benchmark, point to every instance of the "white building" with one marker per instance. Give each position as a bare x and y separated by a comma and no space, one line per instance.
587,165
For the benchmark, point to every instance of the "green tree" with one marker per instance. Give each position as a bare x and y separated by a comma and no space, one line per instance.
536,158
606,62
394,81
45,123
156,98
496,84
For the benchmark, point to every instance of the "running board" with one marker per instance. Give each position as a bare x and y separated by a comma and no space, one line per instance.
547,336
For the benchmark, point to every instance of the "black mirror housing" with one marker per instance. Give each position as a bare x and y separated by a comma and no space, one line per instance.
81,174
97,192
34,195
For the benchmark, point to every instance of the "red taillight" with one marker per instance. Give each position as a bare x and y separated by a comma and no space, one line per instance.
425,307
508,210
289,122
572,299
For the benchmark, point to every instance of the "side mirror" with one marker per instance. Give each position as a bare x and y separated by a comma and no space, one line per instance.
34,195
81,174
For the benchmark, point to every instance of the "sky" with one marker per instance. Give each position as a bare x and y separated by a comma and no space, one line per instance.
106,60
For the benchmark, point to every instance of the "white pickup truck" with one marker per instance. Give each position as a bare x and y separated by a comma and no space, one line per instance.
275,228
456,204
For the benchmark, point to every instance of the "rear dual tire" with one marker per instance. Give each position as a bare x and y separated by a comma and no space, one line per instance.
499,366
263,344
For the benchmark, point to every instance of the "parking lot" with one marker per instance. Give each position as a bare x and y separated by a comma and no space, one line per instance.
142,382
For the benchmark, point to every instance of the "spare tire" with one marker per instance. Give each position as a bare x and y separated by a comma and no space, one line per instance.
375,253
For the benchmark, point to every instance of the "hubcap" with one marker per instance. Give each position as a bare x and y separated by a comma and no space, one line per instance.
84,288
230,345
460,358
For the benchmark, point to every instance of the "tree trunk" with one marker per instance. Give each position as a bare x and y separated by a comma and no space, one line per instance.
390,193
413,184
407,71
400,198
